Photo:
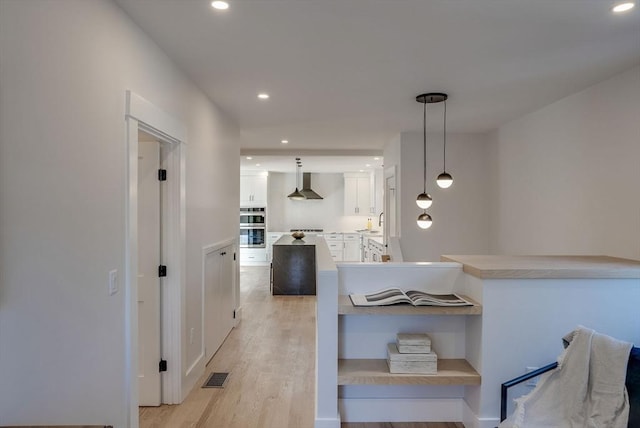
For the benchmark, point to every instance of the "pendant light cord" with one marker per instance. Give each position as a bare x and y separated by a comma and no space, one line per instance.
444,154
424,143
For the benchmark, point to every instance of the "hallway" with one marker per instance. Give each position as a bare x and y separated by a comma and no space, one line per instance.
271,360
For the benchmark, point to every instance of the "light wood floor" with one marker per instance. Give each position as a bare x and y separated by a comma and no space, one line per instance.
270,357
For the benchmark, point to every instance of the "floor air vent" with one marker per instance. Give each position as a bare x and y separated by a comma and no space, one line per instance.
216,380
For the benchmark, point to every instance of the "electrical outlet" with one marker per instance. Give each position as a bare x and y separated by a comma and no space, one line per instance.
191,333
113,282
533,381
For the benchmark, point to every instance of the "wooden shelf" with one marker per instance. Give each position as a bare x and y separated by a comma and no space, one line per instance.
345,307
376,372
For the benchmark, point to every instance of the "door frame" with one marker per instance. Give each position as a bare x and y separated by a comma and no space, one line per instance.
142,114
389,172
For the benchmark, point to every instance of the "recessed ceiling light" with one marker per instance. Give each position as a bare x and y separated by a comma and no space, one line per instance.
285,141
263,96
623,7
257,164
249,158
220,5
376,158
362,170
367,165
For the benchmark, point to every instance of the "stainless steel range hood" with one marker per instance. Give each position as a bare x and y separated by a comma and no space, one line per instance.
306,187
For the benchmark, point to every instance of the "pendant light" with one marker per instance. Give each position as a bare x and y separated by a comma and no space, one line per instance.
296,195
444,180
424,200
424,221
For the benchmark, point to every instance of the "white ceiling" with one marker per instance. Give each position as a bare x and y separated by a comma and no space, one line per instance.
344,74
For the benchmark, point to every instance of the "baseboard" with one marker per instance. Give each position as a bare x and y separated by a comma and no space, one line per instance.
327,422
238,317
401,409
193,373
470,419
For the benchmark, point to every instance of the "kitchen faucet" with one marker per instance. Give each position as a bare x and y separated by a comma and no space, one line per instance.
380,220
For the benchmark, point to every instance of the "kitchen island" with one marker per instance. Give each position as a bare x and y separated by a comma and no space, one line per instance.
293,267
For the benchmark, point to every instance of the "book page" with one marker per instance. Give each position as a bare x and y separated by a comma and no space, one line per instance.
424,298
387,296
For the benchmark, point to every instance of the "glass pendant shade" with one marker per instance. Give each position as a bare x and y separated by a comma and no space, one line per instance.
424,221
424,201
444,180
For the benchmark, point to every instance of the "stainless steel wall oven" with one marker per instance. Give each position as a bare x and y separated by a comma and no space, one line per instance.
252,227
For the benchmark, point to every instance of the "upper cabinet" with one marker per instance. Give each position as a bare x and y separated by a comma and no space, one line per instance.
357,194
253,190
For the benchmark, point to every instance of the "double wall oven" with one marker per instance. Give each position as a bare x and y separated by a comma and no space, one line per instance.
253,223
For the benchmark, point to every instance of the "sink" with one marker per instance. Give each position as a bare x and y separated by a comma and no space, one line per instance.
368,231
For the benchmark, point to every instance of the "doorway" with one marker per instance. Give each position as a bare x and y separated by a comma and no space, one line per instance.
165,242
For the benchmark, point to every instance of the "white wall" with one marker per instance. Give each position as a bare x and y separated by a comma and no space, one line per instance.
327,213
65,68
567,176
461,213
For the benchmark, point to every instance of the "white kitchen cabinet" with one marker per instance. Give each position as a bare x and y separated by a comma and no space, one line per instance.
253,190
376,250
352,247
357,194
366,256
253,256
335,242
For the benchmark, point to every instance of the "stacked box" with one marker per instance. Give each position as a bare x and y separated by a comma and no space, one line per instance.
412,353
425,363
408,343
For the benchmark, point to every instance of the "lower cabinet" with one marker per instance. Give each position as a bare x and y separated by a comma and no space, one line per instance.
352,247
253,256
335,243
219,304
376,250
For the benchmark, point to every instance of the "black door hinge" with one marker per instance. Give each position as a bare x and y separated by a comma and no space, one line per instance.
162,174
162,367
234,314
162,271
234,256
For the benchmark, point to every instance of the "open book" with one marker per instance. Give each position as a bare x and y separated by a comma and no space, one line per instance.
392,296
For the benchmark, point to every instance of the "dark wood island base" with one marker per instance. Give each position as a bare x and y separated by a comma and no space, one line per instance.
294,266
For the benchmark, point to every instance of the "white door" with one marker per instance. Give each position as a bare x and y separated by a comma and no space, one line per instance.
149,254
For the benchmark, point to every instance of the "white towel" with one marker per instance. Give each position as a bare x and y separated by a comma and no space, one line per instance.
586,390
